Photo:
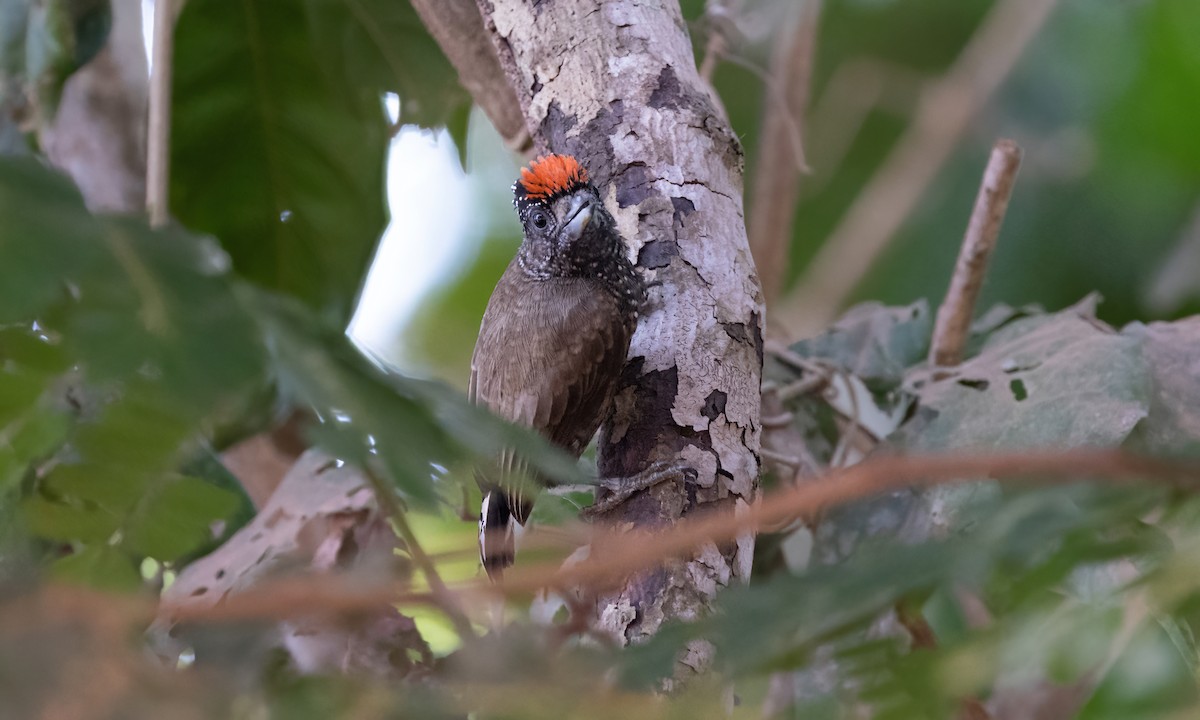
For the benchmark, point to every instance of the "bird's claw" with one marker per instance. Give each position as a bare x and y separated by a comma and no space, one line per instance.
621,489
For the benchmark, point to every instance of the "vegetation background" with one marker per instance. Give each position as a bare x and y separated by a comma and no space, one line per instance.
157,381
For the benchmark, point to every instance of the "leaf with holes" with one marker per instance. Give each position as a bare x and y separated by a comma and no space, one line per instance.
1052,381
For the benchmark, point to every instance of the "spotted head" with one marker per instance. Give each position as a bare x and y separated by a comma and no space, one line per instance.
568,232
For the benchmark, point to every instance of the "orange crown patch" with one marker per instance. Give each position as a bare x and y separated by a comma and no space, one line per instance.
552,175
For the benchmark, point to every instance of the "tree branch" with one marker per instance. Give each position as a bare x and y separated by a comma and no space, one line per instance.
458,28
777,174
954,315
158,156
639,551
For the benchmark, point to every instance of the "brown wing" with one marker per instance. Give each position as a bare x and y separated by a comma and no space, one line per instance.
548,357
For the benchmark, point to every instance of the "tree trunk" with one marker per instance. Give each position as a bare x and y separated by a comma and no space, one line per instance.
615,84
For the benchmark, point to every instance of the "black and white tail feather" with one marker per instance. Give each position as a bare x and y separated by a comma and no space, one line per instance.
497,544
499,528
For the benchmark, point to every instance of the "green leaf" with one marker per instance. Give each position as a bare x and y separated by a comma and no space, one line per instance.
368,414
138,334
38,203
382,45
1171,352
99,566
1055,381
273,153
65,523
207,466
360,417
176,516
39,434
874,342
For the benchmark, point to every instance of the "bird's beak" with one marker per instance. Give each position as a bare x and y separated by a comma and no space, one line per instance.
581,214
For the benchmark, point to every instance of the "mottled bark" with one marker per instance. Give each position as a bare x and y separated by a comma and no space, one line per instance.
98,135
615,84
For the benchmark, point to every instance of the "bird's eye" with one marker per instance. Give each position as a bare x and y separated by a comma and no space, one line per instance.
540,221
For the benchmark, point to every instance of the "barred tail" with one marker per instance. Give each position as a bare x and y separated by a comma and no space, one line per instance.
497,546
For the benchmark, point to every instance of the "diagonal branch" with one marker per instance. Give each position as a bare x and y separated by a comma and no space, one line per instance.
777,174
954,316
299,596
458,28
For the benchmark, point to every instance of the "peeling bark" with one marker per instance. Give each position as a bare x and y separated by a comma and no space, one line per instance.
615,84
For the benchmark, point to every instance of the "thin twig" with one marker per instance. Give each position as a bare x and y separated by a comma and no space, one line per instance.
718,14
447,600
714,49
954,316
628,553
943,114
777,96
159,128
776,176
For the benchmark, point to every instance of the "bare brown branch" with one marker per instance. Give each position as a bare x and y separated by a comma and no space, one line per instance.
954,315
945,110
458,28
158,140
781,154
629,553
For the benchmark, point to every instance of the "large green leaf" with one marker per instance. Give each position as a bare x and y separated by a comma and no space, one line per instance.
41,45
369,415
1055,381
273,151
875,342
126,349
382,44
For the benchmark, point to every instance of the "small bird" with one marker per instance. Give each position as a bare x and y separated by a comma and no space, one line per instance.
554,336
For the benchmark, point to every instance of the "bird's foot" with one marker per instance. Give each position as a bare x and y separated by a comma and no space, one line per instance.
621,489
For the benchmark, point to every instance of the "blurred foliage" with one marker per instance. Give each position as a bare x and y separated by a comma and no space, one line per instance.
130,357
1109,179
41,44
